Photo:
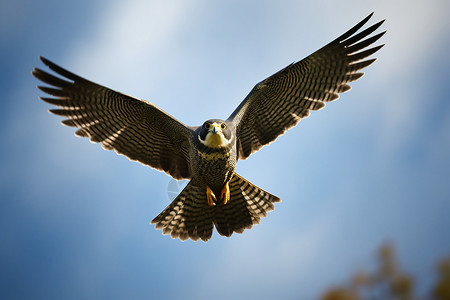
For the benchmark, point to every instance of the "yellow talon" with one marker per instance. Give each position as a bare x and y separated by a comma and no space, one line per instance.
225,193
210,196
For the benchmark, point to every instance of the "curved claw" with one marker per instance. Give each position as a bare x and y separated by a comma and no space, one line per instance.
210,196
225,193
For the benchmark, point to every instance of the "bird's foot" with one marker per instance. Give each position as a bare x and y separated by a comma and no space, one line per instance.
225,193
210,196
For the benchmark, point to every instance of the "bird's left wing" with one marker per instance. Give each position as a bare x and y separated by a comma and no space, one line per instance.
282,100
132,127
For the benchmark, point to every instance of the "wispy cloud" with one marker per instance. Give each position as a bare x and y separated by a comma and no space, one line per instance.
339,173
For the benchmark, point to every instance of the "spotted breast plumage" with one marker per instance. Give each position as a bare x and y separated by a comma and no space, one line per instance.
207,155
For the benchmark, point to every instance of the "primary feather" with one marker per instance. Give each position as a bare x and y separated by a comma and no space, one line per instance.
282,100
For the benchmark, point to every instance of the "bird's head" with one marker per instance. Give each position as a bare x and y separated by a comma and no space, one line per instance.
215,134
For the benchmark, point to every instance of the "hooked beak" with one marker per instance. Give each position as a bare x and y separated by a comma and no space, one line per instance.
215,128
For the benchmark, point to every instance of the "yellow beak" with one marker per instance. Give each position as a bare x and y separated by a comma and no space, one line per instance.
215,128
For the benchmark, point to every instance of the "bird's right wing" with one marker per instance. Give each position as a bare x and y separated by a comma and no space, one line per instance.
132,127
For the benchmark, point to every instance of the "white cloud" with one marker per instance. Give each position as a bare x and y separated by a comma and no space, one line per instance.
129,46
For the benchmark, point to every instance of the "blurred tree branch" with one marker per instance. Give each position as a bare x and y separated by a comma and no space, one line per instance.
388,282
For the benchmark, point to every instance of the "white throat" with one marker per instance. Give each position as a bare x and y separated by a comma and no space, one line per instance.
214,140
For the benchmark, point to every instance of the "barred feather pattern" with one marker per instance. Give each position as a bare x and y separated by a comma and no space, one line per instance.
132,127
189,215
282,100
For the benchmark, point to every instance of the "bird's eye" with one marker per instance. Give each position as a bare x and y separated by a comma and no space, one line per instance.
223,126
207,125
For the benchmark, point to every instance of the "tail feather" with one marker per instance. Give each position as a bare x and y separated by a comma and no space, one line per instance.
248,204
190,216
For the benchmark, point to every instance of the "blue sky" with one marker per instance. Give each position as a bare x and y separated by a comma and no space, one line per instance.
369,168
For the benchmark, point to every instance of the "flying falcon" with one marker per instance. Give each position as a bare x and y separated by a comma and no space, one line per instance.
207,155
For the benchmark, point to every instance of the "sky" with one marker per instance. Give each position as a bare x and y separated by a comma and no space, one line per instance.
370,168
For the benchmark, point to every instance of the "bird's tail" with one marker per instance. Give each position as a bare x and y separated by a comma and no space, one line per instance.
190,216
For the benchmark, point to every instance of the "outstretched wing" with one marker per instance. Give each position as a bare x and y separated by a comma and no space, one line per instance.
132,127
282,100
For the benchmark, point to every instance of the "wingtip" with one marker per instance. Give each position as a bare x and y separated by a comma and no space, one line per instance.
48,62
357,27
368,17
34,71
380,46
44,60
379,22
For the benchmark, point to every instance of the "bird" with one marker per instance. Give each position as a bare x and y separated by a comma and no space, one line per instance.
207,155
